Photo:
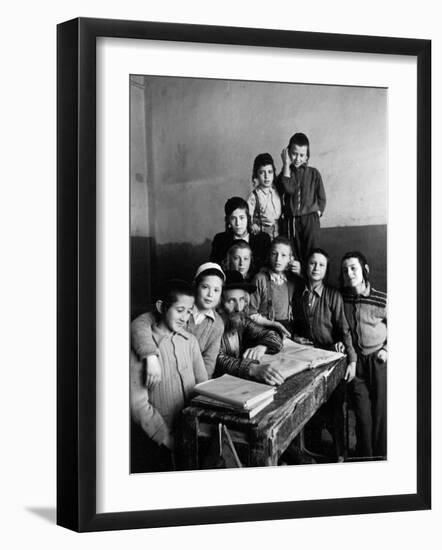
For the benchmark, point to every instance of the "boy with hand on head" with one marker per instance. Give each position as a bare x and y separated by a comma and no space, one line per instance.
303,195
264,201
156,410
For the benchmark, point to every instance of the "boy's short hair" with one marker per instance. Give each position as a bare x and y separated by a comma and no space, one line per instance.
301,140
362,261
239,244
233,204
280,239
174,288
324,253
263,159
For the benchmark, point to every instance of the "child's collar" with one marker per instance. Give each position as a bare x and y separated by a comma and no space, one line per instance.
159,335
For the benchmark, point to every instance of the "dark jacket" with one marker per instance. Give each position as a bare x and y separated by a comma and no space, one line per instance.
328,324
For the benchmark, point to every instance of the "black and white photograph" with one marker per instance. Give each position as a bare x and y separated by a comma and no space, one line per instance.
258,273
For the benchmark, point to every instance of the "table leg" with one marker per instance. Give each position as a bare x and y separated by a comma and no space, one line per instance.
190,448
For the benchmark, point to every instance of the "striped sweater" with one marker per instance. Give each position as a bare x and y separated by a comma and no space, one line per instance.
367,317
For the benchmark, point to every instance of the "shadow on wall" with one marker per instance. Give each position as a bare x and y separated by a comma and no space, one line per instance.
180,260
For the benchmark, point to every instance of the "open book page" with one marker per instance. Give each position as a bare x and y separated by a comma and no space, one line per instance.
234,390
294,358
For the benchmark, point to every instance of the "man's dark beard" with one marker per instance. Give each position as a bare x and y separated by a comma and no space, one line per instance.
233,321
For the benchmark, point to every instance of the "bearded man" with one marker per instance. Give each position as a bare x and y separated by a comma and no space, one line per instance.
244,342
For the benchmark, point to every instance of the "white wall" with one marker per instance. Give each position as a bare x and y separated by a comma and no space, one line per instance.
28,273
205,134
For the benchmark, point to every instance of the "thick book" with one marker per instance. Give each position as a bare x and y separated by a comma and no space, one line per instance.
242,393
221,406
294,358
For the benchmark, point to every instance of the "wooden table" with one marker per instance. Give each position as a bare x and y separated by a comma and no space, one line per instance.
268,434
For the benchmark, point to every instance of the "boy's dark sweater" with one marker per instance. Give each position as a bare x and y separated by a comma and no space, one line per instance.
305,189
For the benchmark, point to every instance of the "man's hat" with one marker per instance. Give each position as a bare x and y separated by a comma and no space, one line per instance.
234,280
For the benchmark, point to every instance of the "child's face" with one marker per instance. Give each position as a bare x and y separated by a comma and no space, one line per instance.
316,268
280,257
208,292
298,155
238,222
240,260
352,273
176,316
265,175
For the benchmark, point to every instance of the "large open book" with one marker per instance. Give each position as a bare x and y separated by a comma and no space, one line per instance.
236,391
294,358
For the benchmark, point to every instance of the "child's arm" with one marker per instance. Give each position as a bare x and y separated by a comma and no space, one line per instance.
286,162
320,193
382,353
345,344
211,350
144,346
251,201
275,325
142,411
199,370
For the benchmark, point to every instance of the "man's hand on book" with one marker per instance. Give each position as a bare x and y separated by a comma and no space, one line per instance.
266,373
255,353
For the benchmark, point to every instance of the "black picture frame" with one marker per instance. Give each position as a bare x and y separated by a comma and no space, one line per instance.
77,287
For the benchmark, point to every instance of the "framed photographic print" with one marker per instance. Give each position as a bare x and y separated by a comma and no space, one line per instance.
199,154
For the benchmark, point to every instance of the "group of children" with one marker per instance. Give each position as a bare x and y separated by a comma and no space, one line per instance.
272,240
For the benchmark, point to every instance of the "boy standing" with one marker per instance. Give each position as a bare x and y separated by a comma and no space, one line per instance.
303,196
366,311
264,201
155,410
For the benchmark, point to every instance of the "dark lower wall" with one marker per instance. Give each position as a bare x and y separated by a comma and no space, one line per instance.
150,264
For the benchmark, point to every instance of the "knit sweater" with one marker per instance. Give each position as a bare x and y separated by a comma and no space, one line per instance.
367,316
262,301
208,334
327,324
156,410
249,334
